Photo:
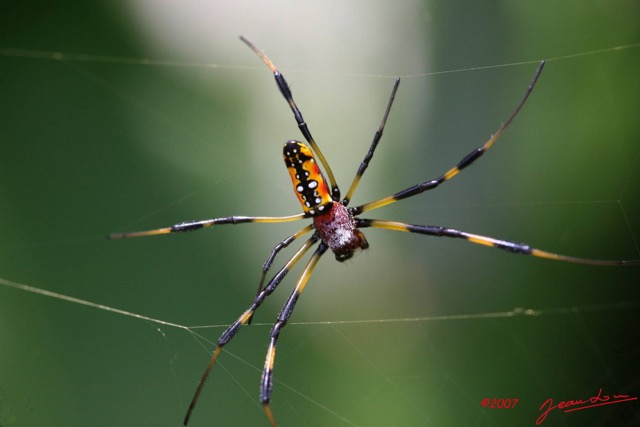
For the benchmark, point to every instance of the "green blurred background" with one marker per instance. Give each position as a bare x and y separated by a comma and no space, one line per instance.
102,142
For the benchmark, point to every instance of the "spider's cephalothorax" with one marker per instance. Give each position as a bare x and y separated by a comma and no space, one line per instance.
332,220
337,229
336,226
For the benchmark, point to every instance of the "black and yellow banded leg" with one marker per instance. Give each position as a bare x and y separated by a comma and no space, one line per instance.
466,161
302,125
232,330
267,264
187,226
372,148
506,245
272,255
267,374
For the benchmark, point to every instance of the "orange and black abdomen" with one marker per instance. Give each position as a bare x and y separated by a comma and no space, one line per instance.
308,182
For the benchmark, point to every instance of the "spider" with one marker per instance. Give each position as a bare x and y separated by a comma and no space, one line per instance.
336,226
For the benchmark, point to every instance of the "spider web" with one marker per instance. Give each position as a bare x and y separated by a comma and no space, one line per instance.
415,331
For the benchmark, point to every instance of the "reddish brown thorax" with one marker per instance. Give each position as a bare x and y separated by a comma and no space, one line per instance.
337,229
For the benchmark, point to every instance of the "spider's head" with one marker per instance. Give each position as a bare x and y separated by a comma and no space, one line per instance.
337,230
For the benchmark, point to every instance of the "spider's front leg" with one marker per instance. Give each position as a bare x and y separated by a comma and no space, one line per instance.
276,249
267,374
246,317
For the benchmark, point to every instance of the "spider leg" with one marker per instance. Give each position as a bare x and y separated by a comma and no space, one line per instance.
267,264
506,245
376,138
266,384
197,225
466,161
286,242
246,316
302,125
